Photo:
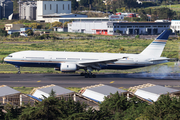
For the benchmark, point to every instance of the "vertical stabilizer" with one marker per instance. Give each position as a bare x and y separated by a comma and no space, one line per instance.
156,47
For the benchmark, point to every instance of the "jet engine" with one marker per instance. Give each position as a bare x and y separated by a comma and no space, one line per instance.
67,67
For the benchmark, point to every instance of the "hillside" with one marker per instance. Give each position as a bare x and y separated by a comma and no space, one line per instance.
174,7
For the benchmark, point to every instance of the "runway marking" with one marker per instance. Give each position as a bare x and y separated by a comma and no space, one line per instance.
39,81
112,82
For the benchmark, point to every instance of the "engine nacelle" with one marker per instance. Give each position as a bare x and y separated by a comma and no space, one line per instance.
68,67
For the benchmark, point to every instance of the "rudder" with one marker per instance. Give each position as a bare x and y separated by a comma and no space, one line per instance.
156,47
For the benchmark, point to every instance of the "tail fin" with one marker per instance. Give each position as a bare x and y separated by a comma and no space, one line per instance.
156,47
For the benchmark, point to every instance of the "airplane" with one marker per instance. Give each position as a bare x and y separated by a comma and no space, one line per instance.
89,61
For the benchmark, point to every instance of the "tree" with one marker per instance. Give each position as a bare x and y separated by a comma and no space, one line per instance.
165,108
1,114
15,6
3,32
130,3
29,32
85,3
57,24
115,103
52,108
119,107
16,34
65,24
74,4
35,25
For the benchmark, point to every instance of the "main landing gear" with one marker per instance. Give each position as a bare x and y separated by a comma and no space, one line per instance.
18,68
88,73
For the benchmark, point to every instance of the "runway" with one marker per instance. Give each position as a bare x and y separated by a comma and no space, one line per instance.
75,80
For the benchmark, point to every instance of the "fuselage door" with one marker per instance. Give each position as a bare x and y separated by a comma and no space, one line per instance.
50,58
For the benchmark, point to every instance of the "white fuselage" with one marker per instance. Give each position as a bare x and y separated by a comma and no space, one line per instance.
56,58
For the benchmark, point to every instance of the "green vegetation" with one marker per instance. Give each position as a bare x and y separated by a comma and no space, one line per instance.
115,107
16,34
29,32
23,89
174,7
75,89
3,33
88,43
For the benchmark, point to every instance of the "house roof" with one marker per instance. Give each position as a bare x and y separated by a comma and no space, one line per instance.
57,89
5,91
159,90
106,90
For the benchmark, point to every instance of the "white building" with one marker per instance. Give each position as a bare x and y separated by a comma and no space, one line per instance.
52,8
51,11
27,10
175,26
114,27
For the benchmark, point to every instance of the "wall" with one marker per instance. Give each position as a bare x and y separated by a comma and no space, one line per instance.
28,10
52,7
175,26
6,8
111,27
86,27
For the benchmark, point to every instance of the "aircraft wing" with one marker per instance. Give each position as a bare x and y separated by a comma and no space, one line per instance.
97,62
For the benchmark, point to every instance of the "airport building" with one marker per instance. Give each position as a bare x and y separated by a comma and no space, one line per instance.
27,10
6,8
175,26
47,11
121,27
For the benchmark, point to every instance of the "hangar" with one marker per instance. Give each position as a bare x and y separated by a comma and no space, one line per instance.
46,90
150,92
9,95
60,92
98,92
14,97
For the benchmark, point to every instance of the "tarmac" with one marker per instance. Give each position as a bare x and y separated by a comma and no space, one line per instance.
75,80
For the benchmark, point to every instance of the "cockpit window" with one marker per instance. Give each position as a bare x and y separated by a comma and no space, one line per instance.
9,55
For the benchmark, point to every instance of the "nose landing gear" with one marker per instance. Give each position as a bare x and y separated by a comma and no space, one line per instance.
18,68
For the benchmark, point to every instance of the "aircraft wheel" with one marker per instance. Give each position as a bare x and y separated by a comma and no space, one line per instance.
86,75
82,74
18,72
90,76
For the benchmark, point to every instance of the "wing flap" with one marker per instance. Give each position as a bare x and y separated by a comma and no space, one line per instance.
104,61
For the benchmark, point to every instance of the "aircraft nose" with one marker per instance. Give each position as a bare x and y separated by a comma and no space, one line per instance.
5,59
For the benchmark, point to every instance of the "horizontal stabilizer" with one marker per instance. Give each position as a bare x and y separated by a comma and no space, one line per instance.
159,59
162,59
